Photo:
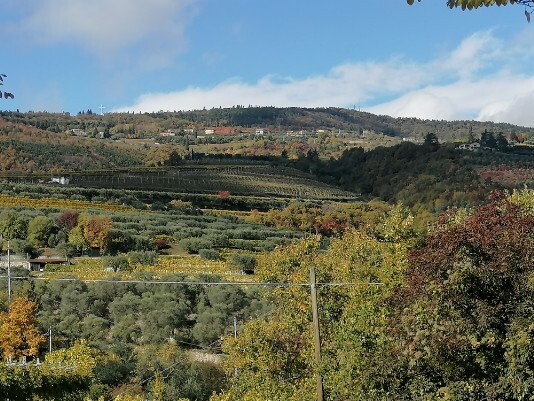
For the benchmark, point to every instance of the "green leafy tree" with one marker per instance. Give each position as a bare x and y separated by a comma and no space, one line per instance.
487,140
118,263
39,230
12,225
274,355
171,376
244,262
78,240
501,143
23,248
216,310
431,140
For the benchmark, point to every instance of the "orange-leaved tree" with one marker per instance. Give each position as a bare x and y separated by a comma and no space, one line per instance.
96,231
18,330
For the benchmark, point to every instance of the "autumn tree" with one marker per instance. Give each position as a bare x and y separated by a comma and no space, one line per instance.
96,231
91,232
444,317
463,326
67,220
18,330
275,356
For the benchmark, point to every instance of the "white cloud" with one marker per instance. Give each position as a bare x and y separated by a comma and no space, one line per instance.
343,85
105,27
517,110
477,80
471,55
498,98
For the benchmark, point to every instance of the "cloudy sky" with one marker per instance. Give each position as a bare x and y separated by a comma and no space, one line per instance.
380,56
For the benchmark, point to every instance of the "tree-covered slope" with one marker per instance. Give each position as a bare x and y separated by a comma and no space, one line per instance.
274,119
428,175
28,149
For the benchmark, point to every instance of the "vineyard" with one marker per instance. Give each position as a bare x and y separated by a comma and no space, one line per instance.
509,177
53,203
190,267
247,180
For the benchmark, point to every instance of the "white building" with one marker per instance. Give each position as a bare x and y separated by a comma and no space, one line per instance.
60,180
473,147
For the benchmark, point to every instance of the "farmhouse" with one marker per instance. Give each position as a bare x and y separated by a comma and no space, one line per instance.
473,147
77,131
220,130
37,265
297,134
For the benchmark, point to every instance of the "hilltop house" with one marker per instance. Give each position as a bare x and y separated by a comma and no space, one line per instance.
473,147
261,131
219,130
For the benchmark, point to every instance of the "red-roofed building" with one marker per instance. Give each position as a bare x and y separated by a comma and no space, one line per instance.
220,130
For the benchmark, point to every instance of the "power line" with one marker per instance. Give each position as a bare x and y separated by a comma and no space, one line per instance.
206,283
210,346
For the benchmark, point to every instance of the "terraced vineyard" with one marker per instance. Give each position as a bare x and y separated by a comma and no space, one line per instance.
509,177
249,180
190,267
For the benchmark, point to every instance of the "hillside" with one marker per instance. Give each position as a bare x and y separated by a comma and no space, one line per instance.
272,119
358,152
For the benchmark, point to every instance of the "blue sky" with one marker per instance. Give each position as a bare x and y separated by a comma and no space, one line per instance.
381,56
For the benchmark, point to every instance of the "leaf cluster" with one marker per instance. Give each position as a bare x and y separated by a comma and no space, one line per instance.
7,95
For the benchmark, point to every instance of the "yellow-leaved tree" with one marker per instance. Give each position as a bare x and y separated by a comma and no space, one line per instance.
18,330
356,274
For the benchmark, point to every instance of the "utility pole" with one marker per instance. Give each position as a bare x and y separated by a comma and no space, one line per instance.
317,336
50,339
235,336
8,275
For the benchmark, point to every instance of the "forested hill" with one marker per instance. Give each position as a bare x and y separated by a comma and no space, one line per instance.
427,176
272,119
